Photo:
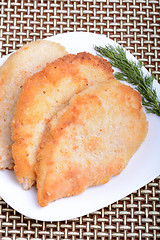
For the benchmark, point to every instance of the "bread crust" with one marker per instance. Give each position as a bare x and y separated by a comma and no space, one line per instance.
90,140
43,95
22,64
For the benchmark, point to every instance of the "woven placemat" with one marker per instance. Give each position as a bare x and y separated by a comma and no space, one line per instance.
135,25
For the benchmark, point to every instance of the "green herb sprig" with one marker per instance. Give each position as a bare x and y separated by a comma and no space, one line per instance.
131,72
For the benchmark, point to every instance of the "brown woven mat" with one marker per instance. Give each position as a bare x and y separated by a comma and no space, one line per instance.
132,23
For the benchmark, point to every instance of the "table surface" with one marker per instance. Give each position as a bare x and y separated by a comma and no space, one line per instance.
135,25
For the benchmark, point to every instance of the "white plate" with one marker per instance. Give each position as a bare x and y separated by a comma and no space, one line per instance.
142,168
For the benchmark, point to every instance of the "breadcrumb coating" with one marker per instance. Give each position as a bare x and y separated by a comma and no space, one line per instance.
42,96
89,140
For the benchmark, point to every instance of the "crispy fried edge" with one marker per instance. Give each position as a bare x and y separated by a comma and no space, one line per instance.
64,65
70,116
5,75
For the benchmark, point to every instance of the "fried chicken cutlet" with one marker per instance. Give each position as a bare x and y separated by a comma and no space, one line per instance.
90,140
43,95
28,60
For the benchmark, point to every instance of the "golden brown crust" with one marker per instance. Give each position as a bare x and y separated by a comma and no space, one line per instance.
89,140
42,95
22,64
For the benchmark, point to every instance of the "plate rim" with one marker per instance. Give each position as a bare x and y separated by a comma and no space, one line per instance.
56,38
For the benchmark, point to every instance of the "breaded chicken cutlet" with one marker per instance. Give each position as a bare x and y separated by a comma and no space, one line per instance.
43,95
22,64
90,140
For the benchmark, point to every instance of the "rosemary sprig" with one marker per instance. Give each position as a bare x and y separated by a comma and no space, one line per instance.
131,72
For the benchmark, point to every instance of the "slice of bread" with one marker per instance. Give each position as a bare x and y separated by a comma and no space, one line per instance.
89,140
28,60
43,95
